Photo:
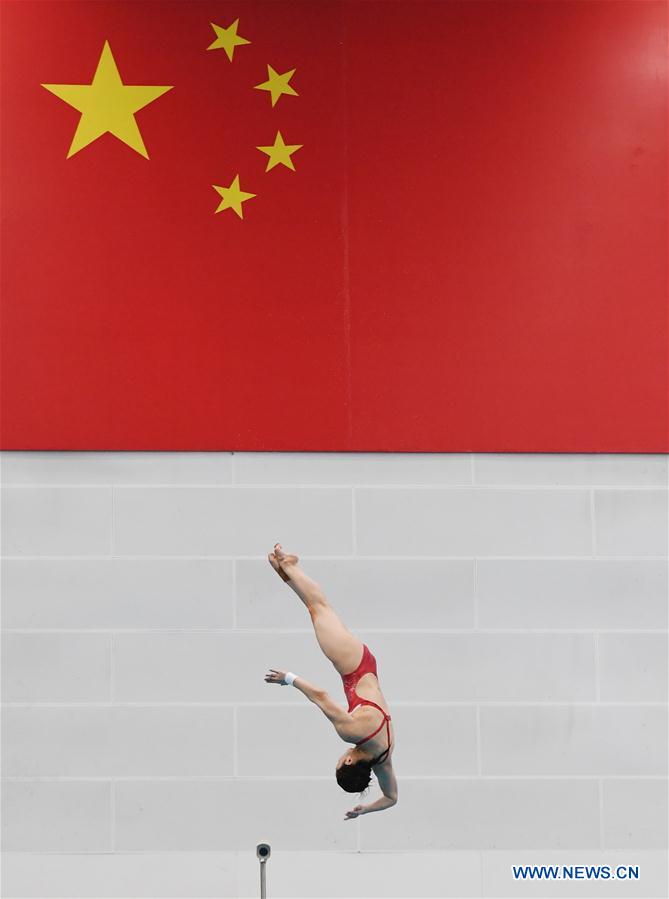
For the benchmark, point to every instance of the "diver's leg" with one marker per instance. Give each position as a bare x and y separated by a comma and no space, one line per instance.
342,647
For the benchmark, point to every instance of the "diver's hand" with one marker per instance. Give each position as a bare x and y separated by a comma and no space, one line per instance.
275,677
282,562
358,810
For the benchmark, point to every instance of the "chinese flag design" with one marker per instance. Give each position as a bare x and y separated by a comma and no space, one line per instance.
346,226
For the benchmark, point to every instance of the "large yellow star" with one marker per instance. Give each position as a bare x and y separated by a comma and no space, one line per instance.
280,152
233,197
227,38
277,84
107,105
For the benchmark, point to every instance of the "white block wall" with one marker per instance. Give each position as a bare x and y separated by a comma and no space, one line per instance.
517,606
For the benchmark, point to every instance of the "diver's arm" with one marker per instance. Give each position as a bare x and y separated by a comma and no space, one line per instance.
388,783
334,712
386,779
378,805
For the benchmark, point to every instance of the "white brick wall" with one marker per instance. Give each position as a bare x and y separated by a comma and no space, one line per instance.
517,605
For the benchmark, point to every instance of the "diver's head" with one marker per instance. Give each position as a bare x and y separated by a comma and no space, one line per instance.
354,771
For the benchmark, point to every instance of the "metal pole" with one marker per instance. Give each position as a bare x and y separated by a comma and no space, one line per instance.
263,851
263,891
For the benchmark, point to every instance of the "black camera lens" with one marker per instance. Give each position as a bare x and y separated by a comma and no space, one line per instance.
263,851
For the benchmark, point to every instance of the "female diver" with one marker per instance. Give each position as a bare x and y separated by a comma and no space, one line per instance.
373,736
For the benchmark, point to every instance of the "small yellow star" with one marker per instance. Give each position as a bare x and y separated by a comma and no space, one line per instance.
280,152
227,38
233,197
107,105
277,84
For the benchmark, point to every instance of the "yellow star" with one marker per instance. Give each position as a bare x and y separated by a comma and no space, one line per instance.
233,197
107,105
277,84
280,153
227,38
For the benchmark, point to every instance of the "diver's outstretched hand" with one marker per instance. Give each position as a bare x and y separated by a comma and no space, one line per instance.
281,562
275,677
358,810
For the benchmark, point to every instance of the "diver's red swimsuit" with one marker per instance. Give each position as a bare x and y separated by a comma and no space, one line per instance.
367,666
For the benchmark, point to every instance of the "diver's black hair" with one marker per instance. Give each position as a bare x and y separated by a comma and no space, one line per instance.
355,778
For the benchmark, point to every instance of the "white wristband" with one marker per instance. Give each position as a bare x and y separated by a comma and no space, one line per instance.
289,678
